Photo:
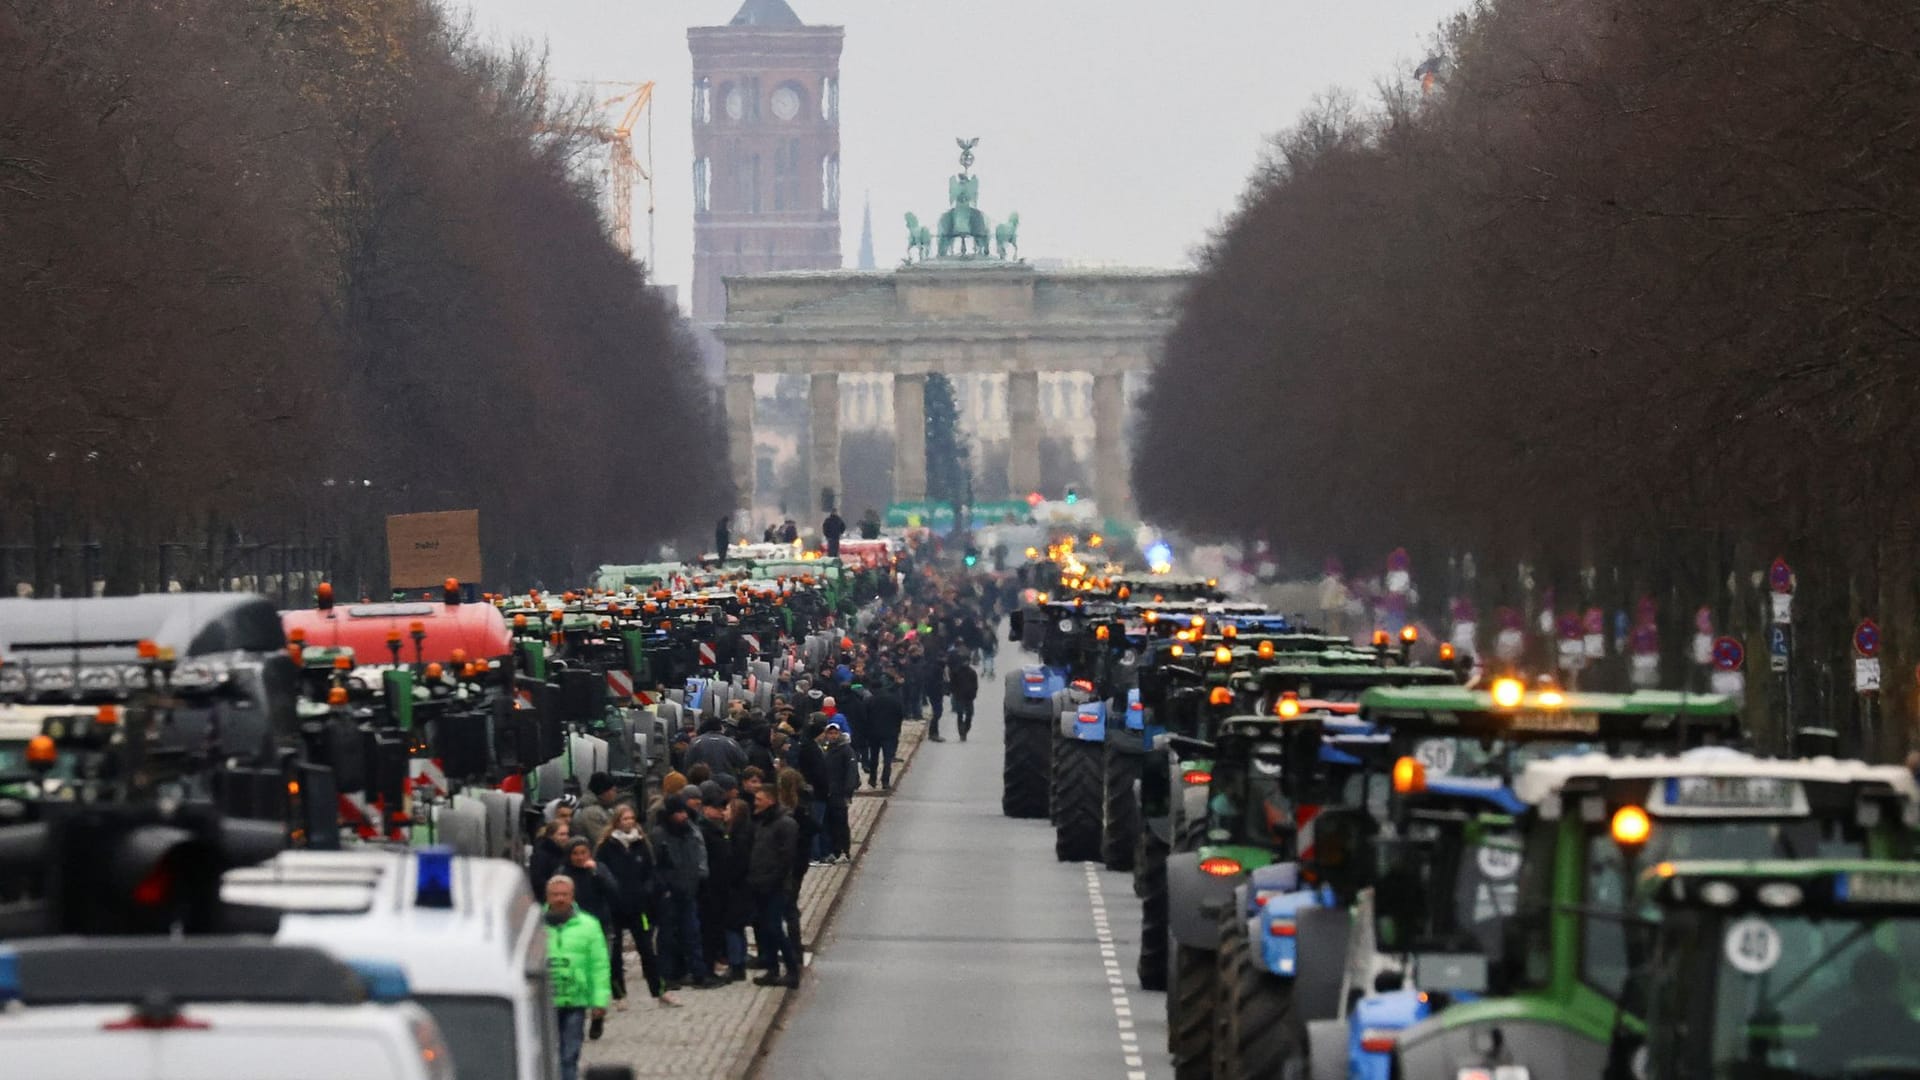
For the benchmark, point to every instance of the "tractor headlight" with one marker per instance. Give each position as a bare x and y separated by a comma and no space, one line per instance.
53,680
13,680
199,675
101,680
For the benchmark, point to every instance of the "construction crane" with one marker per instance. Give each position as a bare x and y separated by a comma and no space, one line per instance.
623,166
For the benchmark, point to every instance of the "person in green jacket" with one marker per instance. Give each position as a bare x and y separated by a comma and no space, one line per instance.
577,961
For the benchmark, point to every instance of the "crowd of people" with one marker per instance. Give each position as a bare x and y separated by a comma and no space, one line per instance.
755,800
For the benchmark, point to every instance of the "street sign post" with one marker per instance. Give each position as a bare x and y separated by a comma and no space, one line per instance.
1779,643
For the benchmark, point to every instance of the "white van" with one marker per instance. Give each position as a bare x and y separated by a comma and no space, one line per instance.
464,929
207,1009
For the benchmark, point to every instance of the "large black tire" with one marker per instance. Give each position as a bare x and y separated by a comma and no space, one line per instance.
1023,774
1261,1041
1147,847
1152,966
1230,965
1190,1005
1120,825
1076,801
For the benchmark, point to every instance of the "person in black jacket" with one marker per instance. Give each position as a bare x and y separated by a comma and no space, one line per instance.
549,854
626,854
769,868
885,712
843,779
933,683
963,683
594,889
715,749
833,529
811,760
711,822
740,913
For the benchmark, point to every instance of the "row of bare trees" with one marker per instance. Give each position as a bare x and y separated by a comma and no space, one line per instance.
1631,297
271,270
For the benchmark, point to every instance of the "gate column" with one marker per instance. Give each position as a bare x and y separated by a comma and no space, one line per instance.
740,436
1111,484
909,438
823,401
1023,432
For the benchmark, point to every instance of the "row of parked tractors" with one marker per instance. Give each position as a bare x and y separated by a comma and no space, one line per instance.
1379,860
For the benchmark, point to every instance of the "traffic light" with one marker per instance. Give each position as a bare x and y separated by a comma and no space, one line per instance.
1072,496
973,556
116,869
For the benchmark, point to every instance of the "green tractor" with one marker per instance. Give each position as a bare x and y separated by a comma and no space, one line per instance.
1323,980
1561,992
1778,969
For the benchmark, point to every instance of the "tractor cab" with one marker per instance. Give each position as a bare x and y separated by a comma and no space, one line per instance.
1779,969
1592,824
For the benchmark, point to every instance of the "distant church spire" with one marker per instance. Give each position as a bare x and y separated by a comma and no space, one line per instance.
866,234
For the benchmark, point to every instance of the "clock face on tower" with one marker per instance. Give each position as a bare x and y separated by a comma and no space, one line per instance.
736,104
786,103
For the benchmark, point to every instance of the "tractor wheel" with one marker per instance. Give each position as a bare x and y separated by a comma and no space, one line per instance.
1260,1037
1076,801
1120,828
1147,847
1230,963
1023,774
1152,967
1190,1005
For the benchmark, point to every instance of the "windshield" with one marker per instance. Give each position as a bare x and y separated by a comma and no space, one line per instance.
1603,957
1245,806
481,1031
1757,996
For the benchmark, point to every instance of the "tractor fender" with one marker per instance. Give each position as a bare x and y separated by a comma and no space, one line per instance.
1327,1050
1086,722
1320,966
1194,900
1279,954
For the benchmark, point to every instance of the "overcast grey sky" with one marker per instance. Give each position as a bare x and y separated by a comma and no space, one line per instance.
1121,130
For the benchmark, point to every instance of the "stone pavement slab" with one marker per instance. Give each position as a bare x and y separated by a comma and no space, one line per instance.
717,1034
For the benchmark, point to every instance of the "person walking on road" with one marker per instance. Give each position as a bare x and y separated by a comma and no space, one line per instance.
549,855
628,856
592,820
577,967
933,683
769,869
811,760
885,713
833,529
963,683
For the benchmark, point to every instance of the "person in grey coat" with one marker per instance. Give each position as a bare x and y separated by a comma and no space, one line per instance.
682,855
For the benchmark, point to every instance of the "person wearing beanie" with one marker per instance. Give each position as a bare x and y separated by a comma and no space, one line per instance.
681,852
712,793
592,821
671,784
811,760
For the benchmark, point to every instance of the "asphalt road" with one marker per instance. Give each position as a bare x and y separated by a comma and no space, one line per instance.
962,949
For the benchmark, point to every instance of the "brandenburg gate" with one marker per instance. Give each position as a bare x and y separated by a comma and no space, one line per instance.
971,308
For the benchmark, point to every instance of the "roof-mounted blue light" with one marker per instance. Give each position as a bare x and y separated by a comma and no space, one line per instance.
433,877
386,982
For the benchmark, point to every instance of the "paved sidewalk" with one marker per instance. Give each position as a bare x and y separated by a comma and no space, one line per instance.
716,1034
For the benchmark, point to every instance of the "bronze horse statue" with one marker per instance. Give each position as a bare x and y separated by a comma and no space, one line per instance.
1006,236
919,238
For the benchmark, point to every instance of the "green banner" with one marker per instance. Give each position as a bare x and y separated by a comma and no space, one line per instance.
937,516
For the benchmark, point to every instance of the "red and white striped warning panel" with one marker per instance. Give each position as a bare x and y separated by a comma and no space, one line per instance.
621,683
751,642
522,699
642,698
427,773
707,656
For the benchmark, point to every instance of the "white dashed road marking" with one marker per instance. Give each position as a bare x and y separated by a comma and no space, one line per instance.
1122,1006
